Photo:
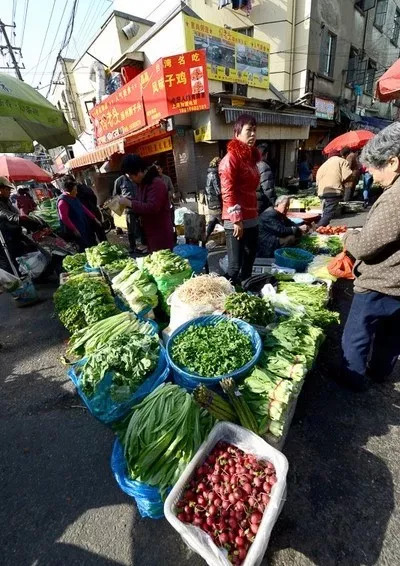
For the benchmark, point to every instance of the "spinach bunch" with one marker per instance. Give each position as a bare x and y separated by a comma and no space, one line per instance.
213,350
130,358
250,308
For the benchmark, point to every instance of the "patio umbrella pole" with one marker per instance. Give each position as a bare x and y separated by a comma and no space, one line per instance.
5,248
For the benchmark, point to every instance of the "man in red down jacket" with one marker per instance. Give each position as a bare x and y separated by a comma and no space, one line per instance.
239,181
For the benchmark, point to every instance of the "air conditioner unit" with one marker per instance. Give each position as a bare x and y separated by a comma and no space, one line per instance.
130,30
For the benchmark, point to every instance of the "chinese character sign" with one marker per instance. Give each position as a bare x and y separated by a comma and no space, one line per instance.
153,93
186,83
120,113
231,56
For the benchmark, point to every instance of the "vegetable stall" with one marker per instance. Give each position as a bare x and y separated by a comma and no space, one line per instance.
199,383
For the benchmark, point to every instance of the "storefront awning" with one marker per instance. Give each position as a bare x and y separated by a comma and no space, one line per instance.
352,116
374,124
269,118
98,155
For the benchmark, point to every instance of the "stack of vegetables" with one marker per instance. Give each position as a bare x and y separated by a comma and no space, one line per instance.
74,263
136,287
47,212
115,267
316,244
104,254
313,298
289,352
169,271
162,435
250,308
83,300
212,350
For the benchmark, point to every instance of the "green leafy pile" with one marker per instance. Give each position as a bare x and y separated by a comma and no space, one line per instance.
118,265
250,308
162,435
136,287
48,212
317,244
313,298
334,245
83,300
130,358
104,254
310,202
164,262
310,244
74,263
91,338
289,351
212,350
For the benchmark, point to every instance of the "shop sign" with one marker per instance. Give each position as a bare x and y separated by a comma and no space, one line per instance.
175,85
203,133
324,108
152,148
119,114
231,56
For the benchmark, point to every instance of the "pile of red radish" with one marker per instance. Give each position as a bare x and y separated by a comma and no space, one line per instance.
227,496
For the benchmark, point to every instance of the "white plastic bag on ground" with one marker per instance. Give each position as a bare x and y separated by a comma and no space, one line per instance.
199,540
8,282
32,264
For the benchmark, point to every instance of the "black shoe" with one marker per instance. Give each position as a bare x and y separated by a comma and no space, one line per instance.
375,377
354,383
365,204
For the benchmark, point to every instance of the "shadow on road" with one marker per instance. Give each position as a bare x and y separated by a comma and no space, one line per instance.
340,494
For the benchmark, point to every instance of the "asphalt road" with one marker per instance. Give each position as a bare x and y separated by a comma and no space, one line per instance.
60,504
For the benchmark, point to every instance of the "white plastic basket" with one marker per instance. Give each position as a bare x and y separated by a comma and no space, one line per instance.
200,541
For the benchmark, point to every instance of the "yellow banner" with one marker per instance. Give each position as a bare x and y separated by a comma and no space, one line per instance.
231,56
158,146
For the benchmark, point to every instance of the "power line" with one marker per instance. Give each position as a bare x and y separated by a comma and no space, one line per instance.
45,35
24,21
54,40
67,37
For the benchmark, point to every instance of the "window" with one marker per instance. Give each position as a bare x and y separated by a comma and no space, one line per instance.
352,65
364,5
396,28
328,51
380,13
370,77
245,31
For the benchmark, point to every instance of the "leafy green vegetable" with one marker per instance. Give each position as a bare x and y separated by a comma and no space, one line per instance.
83,300
250,308
321,244
118,265
334,245
104,254
213,350
162,435
164,262
136,287
74,263
91,338
310,244
313,298
130,358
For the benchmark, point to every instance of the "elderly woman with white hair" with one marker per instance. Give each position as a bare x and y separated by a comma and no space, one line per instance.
276,230
371,338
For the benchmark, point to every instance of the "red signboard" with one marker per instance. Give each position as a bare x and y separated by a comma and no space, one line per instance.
172,85
120,113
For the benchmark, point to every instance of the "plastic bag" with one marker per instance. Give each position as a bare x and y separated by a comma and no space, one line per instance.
179,215
341,266
319,268
166,285
196,256
184,312
32,264
282,303
26,293
200,541
190,380
148,498
103,407
115,205
9,282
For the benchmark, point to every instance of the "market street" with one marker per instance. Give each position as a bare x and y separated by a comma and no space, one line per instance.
61,504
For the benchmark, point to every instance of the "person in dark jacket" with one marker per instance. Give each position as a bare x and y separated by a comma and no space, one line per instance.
76,220
212,193
277,230
11,223
125,187
266,194
304,171
151,203
89,199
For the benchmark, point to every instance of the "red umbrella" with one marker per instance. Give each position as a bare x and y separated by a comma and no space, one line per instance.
19,169
355,139
388,86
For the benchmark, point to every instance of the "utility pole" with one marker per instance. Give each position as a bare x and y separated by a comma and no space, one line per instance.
10,49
